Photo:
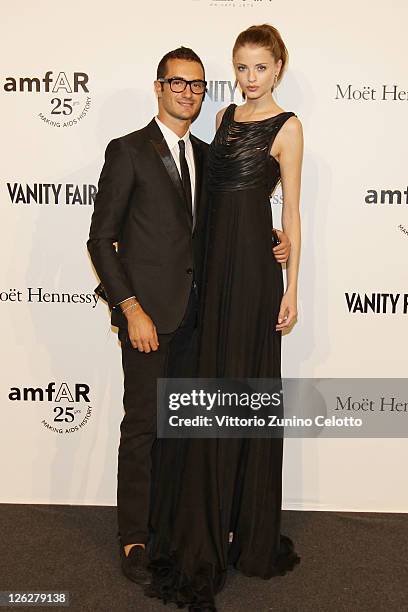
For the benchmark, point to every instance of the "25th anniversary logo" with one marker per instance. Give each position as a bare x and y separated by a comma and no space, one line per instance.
60,99
65,408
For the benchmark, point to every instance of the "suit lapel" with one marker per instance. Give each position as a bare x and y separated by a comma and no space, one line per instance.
160,145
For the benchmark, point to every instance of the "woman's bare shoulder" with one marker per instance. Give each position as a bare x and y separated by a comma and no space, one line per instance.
293,125
219,116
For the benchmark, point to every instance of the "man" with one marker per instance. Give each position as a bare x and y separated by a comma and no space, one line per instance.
151,203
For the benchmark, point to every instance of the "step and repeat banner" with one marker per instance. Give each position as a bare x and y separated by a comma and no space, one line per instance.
74,78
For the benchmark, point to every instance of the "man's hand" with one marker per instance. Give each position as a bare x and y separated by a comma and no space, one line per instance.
282,250
141,329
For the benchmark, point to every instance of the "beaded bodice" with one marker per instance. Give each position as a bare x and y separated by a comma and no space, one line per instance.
239,155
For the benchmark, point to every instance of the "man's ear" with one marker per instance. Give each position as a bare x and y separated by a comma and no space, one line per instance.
158,89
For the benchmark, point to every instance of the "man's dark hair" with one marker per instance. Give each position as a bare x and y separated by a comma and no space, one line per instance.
182,53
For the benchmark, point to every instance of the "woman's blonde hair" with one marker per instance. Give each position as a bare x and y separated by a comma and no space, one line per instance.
266,36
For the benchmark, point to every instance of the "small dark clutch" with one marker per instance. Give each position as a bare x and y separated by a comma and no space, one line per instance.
275,239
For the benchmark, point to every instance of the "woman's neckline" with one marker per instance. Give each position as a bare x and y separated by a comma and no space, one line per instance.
256,120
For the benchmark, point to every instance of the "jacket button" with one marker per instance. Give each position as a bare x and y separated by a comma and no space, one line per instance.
189,270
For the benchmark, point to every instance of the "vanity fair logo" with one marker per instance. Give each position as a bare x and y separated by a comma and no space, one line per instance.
377,303
51,193
223,91
39,295
367,93
65,408
60,99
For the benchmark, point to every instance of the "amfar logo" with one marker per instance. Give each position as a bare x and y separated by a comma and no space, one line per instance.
403,229
366,93
386,196
51,193
378,303
68,97
72,412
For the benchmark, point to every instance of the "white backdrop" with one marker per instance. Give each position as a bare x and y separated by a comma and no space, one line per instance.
346,82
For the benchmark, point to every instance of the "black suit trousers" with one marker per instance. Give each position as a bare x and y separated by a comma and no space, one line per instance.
175,356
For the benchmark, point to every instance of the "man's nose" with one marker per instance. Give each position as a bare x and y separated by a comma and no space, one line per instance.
187,92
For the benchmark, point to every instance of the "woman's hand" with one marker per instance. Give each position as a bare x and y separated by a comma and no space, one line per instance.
288,311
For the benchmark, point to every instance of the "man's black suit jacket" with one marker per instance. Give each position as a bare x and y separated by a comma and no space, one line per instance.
141,207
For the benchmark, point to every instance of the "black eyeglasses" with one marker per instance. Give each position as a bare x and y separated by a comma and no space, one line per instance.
178,85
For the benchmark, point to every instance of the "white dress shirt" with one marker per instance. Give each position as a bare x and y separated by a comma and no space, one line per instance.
172,139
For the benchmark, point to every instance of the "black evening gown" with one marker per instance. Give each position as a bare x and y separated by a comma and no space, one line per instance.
210,487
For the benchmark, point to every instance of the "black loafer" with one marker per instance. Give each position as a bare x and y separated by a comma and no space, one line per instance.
134,566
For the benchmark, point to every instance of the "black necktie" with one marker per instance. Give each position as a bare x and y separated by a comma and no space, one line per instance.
185,176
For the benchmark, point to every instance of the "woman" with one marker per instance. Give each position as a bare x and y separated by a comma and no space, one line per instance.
226,504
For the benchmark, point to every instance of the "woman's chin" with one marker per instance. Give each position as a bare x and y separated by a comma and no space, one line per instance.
254,95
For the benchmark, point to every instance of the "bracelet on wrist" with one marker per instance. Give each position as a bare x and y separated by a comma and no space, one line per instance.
131,306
